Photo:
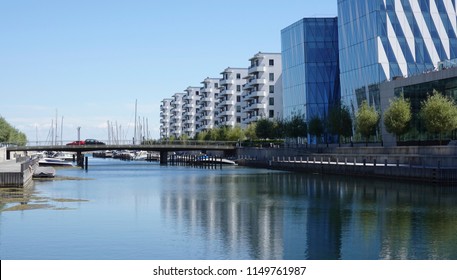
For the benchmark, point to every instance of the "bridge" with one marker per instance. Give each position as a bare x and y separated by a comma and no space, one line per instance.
163,147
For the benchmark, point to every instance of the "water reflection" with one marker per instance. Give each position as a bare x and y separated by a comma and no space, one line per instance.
296,216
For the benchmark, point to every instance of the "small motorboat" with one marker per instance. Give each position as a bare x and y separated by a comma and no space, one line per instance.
44,172
54,162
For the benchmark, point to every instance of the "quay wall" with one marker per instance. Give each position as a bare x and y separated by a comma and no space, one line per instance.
21,176
2,154
426,164
432,156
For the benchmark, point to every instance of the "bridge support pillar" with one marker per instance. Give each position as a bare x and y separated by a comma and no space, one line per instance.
80,159
163,157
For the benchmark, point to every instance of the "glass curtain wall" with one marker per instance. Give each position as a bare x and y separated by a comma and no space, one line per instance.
310,68
384,39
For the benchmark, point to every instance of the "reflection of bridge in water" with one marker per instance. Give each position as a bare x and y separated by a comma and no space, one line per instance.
163,147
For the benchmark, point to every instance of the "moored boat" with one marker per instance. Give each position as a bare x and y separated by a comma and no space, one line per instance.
44,172
54,161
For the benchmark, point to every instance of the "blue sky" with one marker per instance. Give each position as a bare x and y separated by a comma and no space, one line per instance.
89,60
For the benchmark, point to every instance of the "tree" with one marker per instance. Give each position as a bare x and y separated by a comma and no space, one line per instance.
9,134
439,114
397,116
249,132
235,134
366,120
296,127
264,129
340,122
316,128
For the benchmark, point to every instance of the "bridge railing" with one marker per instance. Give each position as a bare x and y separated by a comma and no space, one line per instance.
143,143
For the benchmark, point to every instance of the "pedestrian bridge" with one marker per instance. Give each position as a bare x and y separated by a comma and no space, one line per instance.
163,147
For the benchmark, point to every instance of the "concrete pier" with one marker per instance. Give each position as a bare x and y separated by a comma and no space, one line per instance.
16,172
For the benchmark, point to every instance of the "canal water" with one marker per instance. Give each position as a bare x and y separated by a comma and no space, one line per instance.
140,210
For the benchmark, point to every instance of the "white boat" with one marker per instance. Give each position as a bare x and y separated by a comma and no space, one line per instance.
44,172
54,161
65,156
140,155
212,160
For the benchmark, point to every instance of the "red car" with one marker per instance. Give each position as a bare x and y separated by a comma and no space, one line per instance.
76,143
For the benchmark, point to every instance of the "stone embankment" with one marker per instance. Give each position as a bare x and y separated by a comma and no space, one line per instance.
429,164
17,172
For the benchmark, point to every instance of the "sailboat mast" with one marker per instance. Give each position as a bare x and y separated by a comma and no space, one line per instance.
134,132
56,133
61,132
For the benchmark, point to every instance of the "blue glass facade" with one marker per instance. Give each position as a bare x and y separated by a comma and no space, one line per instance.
380,40
310,67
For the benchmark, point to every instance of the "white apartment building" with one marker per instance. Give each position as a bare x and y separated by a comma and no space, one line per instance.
190,108
209,94
176,128
262,93
231,87
165,116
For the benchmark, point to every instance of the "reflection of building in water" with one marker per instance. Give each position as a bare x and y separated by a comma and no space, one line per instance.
245,223
324,220
300,216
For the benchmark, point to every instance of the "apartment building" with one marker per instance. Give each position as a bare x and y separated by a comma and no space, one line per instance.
262,93
208,99
165,116
176,127
190,109
229,111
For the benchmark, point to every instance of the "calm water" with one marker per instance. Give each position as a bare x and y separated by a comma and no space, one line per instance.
134,210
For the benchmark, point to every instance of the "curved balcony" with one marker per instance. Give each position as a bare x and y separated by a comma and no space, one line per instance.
227,81
227,92
260,68
227,103
207,109
207,99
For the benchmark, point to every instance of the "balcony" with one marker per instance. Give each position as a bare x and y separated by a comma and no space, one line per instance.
227,113
259,68
190,106
227,92
206,99
259,81
259,93
227,103
207,109
227,81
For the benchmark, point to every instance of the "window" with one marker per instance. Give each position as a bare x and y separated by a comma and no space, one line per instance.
216,85
238,88
238,98
271,101
272,89
272,77
271,114
238,109
272,62
238,119
238,76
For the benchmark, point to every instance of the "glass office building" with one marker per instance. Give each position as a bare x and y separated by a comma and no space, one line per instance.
310,68
381,40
